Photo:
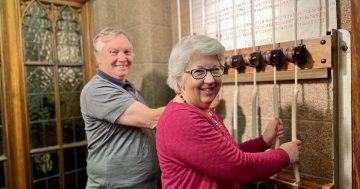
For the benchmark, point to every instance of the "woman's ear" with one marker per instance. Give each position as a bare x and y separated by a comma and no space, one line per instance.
180,84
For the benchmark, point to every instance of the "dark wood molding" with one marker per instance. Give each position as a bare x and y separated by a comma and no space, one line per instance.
355,91
15,115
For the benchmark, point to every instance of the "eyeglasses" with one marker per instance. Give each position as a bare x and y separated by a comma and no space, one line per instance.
200,73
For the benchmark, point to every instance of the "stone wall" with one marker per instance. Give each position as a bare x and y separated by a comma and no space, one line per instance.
153,28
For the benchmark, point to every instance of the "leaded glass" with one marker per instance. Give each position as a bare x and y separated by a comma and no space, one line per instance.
41,106
70,85
43,134
54,76
37,35
68,38
75,167
2,175
41,98
45,168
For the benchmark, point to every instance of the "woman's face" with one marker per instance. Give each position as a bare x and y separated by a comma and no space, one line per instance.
201,92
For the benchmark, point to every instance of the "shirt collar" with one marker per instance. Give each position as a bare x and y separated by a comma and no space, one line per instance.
120,83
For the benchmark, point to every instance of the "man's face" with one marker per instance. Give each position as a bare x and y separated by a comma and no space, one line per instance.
116,56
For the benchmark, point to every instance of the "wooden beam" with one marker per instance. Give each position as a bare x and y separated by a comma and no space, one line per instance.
286,179
281,76
15,115
87,37
355,91
318,49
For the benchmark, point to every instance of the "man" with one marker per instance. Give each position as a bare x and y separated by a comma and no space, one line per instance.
119,126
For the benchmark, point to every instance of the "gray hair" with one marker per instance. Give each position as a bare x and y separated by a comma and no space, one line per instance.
111,32
187,47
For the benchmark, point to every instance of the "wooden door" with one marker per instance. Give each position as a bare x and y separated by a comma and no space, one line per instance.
46,59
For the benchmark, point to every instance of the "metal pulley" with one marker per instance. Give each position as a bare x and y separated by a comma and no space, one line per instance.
274,57
238,62
297,54
255,60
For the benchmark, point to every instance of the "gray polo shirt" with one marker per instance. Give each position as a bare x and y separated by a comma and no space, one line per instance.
119,156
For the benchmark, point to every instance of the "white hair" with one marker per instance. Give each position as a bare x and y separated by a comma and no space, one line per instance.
182,52
107,32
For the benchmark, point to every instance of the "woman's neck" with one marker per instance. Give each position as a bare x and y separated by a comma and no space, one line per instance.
181,99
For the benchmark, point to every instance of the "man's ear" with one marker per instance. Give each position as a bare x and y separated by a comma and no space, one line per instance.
97,58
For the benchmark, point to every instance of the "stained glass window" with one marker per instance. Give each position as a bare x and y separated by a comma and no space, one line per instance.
54,79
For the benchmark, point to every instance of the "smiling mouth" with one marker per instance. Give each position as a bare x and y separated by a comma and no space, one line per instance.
207,89
121,66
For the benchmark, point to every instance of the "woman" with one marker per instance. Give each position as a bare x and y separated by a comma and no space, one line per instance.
195,149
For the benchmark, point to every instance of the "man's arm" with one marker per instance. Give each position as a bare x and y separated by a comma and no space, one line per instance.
140,115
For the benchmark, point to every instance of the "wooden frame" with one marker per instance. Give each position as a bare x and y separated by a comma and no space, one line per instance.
317,48
14,93
355,91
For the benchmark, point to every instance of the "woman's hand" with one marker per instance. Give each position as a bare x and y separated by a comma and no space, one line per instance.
274,129
293,149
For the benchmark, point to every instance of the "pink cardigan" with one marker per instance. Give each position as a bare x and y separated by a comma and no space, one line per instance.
196,153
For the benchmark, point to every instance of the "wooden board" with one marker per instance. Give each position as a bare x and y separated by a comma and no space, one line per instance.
316,52
355,91
286,180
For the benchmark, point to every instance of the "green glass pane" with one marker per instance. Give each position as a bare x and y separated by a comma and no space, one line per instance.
66,14
63,52
43,134
62,25
68,131
41,107
54,183
75,167
2,174
68,39
69,159
44,23
36,135
39,184
37,35
82,179
36,9
71,79
81,154
70,85
70,180
79,129
45,48
40,80
50,133
29,34
45,165
31,52
76,107
66,106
